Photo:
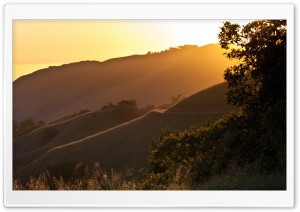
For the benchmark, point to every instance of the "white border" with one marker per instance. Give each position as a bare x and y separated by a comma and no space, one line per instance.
146,198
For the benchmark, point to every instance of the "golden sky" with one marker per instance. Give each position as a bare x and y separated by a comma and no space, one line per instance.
40,43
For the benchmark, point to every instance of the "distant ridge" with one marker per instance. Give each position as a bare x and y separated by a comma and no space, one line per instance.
149,79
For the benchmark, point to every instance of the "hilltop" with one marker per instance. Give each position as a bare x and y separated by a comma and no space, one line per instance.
152,78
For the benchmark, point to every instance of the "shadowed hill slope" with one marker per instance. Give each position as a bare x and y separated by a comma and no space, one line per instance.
149,79
127,145
32,145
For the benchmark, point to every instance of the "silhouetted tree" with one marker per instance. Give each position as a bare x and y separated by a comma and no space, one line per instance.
27,126
258,83
109,105
175,99
259,80
126,110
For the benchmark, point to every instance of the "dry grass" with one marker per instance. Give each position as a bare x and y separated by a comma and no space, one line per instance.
82,179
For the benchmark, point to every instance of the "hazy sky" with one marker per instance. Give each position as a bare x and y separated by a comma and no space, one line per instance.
40,43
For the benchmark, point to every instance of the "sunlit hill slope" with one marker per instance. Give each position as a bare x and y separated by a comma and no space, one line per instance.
149,79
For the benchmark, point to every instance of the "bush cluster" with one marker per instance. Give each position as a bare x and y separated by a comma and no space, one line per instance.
26,126
236,143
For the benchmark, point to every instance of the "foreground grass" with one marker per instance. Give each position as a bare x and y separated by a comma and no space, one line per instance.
82,179
97,179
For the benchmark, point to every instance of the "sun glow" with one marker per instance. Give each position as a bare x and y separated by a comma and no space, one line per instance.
38,44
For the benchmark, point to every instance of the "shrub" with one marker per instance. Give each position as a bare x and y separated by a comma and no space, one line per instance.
126,110
83,111
26,126
193,157
108,106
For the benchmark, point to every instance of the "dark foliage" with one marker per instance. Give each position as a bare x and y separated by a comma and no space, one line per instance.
126,110
25,126
177,98
259,80
258,83
109,105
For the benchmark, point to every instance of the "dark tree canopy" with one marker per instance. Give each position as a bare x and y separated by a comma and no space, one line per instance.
257,84
126,110
25,126
259,79
109,105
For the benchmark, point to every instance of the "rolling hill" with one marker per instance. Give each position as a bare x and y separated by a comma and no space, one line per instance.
149,79
34,144
122,146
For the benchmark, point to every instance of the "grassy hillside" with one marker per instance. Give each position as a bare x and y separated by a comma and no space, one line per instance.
33,145
124,146
149,79
206,101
